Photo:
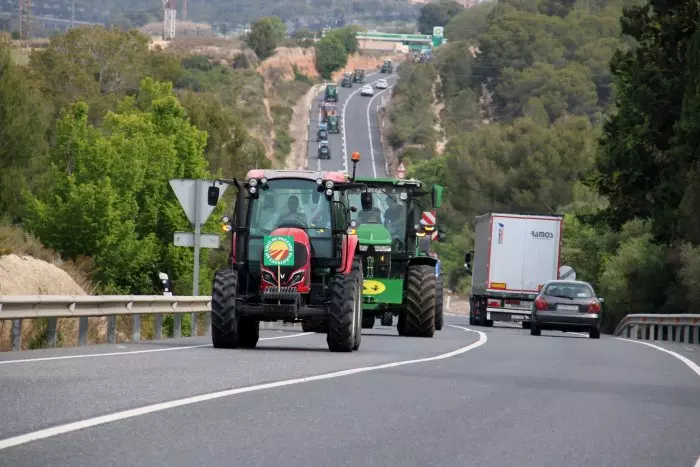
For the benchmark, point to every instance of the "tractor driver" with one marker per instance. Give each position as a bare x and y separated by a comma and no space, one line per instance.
395,219
293,215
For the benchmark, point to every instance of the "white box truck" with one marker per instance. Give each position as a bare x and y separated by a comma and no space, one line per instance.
514,255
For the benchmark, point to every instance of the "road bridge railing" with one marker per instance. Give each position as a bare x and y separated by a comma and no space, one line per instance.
683,328
52,307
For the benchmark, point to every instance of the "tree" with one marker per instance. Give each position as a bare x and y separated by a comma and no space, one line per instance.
470,24
266,35
636,169
347,35
24,118
111,199
331,55
437,14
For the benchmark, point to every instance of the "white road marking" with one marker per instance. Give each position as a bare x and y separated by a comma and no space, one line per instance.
126,414
111,354
697,464
680,357
345,104
369,129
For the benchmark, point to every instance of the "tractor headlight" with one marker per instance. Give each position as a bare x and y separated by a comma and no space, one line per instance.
363,247
296,278
268,277
403,196
263,180
253,182
252,190
319,181
329,192
329,183
382,248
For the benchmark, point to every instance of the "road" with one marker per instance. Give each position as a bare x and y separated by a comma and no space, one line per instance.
360,130
469,396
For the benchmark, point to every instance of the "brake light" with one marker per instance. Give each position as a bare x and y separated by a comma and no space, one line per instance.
594,306
494,303
541,303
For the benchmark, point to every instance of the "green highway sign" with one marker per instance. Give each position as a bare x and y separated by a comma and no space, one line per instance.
278,250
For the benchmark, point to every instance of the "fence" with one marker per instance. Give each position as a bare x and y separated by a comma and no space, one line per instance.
674,328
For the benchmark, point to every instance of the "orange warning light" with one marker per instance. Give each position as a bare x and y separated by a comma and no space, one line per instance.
355,156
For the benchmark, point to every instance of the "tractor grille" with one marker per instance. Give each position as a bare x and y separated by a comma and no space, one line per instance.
376,265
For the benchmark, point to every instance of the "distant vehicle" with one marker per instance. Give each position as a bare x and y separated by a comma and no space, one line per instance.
381,84
367,90
331,93
387,66
324,150
514,256
326,110
322,134
347,80
564,305
359,76
333,121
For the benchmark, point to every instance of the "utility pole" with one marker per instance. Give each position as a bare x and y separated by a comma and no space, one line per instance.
72,13
25,11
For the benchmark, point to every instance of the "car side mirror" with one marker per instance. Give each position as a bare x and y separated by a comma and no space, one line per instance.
213,195
366,200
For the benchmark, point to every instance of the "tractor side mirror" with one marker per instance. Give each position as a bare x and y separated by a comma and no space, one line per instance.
366,200
441,233
213,195
436,196
468,262
353,209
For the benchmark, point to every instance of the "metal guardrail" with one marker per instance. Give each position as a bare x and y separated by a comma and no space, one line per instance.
19,307
650,327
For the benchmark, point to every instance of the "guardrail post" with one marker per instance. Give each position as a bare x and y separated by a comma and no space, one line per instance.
112,329
82,330
635,332
652,332
177,324
136,328
207,323
695,334
193,327
158,327
16,335
51,331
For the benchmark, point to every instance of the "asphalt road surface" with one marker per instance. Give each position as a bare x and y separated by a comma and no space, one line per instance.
359,129
467,397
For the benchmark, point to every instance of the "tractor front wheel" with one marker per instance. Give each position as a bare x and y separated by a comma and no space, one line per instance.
344,313
420,301
228,330
387,318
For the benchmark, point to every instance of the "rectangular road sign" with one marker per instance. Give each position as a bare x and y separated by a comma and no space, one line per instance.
205,240
278,250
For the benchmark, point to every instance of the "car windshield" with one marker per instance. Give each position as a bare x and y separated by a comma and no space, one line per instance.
388,209
569,290
290,203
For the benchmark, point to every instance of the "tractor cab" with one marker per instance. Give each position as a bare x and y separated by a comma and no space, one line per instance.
293,258
322,132
359,76
331,94
347,80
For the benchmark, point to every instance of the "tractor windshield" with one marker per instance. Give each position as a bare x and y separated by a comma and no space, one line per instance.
388,209
290,203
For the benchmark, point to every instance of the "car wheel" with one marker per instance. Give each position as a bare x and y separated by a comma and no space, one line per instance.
535,329
594,333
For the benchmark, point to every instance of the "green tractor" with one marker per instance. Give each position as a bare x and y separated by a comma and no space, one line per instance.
333,121
331,93
400,274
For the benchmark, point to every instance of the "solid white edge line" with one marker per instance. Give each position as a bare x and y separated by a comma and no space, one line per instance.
126,414
133,352
369,128
692,365
697,463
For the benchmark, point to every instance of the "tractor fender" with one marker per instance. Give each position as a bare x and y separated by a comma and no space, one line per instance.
424,260
350,243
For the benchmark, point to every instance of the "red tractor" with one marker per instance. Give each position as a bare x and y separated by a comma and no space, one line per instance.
302,217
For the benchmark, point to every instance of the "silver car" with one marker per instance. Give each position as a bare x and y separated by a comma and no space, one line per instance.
565,305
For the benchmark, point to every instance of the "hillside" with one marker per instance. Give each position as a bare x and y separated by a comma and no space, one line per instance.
524,123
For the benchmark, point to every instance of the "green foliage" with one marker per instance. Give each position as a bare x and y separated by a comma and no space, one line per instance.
437,14
266,34
111,185
470,24
331,55
24,118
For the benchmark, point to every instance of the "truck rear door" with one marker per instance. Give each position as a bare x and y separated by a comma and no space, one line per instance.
541,252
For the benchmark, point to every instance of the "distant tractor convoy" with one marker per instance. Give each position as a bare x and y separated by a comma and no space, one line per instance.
387,67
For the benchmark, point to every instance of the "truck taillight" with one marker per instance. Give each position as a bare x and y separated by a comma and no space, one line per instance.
494,303
541,303
594,306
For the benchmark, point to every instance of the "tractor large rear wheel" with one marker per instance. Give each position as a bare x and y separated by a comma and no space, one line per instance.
420,301
438,303
228,330
343,316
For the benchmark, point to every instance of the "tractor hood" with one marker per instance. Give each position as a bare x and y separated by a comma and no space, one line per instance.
373,234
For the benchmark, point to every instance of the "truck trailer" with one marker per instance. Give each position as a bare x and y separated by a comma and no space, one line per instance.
514,255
